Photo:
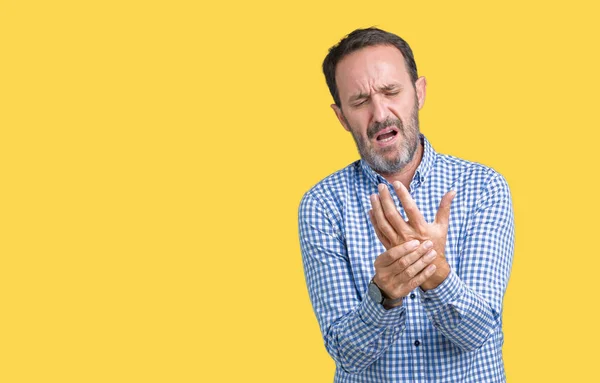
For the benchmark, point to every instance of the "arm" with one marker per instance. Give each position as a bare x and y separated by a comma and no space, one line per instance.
356,333
465,304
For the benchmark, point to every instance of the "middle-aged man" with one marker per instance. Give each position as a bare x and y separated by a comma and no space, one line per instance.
406,252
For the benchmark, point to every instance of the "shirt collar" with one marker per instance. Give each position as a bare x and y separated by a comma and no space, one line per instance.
427,161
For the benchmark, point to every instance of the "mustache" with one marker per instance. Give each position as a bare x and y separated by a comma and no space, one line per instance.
377,127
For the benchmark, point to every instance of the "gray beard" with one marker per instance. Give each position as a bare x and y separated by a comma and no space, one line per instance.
410,143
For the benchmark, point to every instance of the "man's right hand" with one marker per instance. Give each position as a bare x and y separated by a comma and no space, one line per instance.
403,268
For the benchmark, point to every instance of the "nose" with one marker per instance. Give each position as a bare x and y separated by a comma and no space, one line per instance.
380,109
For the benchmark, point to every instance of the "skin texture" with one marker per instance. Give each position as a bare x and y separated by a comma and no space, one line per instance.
392,230
403,268
376,91
378,96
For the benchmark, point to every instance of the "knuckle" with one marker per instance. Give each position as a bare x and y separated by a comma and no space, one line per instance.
424,250
388,232
385,256
388,213
403,262
413,283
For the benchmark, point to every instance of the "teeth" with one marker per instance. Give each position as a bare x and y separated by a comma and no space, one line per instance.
387,139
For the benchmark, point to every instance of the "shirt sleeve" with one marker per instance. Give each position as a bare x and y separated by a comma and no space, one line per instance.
356,332
467,306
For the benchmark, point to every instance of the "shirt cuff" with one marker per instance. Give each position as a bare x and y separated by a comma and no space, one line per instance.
376,315
448,291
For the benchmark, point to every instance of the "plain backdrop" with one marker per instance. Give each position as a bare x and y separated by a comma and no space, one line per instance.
153,155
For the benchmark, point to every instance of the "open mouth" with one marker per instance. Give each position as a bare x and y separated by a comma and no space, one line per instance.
386,135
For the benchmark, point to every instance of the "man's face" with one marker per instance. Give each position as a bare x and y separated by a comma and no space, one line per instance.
380,106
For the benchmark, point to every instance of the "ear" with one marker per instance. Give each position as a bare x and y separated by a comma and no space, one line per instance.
340,116
420,87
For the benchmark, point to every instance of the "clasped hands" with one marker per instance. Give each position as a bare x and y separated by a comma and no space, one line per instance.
414,253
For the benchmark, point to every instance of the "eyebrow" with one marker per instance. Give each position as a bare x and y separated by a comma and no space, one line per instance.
359,96
389,87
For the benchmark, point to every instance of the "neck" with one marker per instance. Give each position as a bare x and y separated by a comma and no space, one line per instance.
408,172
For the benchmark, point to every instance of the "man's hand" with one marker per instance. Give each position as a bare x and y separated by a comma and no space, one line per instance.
403,268
392,230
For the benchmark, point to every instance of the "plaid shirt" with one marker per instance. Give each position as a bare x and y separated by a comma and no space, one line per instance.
452,333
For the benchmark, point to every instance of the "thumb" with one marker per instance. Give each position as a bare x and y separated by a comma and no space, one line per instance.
443,214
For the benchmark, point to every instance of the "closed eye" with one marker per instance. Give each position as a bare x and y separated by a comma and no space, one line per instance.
362,102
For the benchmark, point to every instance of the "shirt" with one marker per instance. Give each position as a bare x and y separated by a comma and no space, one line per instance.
452,333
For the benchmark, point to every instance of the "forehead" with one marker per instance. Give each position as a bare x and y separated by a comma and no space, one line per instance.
370,67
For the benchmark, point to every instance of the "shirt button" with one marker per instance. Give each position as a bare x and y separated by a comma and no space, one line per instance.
412,296
417,343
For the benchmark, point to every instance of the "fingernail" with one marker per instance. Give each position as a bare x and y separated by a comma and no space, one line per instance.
380,187
412,244
428,244
396,184
430,255
431,267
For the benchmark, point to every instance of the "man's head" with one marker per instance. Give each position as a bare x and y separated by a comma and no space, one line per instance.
372,77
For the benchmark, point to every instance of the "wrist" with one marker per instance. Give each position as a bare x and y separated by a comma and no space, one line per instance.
377,295
391,303
441,273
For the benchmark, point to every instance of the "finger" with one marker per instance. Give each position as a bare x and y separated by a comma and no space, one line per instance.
380,235
422,277
409,257
421,263
381,222
410,206
390,211
443,214
395,253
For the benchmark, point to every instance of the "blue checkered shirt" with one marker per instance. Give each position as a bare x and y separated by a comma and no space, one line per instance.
452,333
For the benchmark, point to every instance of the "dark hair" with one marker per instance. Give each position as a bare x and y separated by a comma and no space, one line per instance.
362,38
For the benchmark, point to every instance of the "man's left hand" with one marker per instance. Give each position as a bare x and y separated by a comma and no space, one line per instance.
392,230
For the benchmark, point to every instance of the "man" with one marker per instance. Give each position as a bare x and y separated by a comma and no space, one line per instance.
407,252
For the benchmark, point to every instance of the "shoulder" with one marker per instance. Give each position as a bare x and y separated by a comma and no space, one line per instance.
468,171
479,186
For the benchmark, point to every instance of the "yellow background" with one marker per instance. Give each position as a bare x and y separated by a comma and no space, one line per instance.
153,155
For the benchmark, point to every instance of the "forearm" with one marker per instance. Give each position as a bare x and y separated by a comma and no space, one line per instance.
460,314
467,306
358,339
356,330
